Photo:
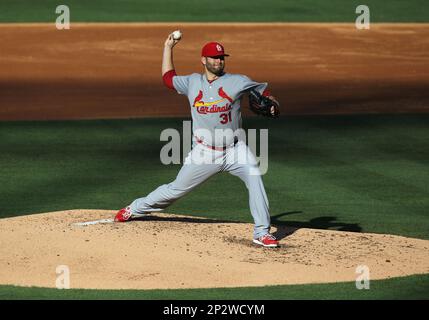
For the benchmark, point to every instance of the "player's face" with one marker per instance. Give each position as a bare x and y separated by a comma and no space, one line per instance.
215,65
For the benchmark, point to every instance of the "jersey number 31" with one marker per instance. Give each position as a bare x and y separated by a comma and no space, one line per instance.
226,117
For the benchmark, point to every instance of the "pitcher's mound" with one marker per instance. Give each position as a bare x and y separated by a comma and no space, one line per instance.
173,251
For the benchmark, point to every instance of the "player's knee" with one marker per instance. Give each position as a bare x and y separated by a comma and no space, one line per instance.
252,170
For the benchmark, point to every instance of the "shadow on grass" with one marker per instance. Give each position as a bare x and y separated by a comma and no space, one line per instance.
287,228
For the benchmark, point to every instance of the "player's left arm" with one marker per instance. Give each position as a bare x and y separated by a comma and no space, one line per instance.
248,84
274,108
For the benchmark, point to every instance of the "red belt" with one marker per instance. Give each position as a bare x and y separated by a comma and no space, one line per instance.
217,148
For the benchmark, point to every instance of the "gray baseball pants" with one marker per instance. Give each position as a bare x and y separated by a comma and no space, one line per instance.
202,163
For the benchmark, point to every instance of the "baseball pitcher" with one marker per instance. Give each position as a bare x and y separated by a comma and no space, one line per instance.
214,98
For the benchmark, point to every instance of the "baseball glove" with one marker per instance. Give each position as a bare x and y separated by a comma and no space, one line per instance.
262,105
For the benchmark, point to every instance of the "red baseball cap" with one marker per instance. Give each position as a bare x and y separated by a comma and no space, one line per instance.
213,49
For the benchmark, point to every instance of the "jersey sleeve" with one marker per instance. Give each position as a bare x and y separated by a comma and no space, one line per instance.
167,78
245,83
181,84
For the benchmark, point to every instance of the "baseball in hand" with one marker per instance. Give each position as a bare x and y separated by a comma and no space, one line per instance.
177,35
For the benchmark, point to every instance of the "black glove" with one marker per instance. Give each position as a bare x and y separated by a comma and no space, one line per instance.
262,105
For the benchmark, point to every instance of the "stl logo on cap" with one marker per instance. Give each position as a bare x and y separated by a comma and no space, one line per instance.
213,49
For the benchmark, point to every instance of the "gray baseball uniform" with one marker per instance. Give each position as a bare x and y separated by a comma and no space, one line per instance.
214,106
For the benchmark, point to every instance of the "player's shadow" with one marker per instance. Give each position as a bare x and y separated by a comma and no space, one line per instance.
286,228
154,217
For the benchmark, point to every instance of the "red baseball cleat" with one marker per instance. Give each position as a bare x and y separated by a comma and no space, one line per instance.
123,215
267,240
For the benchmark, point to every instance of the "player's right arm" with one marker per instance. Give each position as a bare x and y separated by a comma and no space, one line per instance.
168,71
169,76
167,57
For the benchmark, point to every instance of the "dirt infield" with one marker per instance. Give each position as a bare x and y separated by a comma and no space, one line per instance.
113,70
173,251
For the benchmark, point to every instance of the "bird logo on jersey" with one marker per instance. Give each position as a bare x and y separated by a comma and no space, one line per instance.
214,106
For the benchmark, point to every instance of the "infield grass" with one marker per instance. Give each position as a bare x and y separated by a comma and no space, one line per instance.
406,288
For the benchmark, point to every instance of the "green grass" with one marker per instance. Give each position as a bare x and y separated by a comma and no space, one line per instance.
412,287
354,173
217,11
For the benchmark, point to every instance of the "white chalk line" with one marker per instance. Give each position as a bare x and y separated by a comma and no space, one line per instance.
88,223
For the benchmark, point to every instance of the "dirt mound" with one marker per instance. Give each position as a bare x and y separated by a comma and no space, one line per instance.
174,251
